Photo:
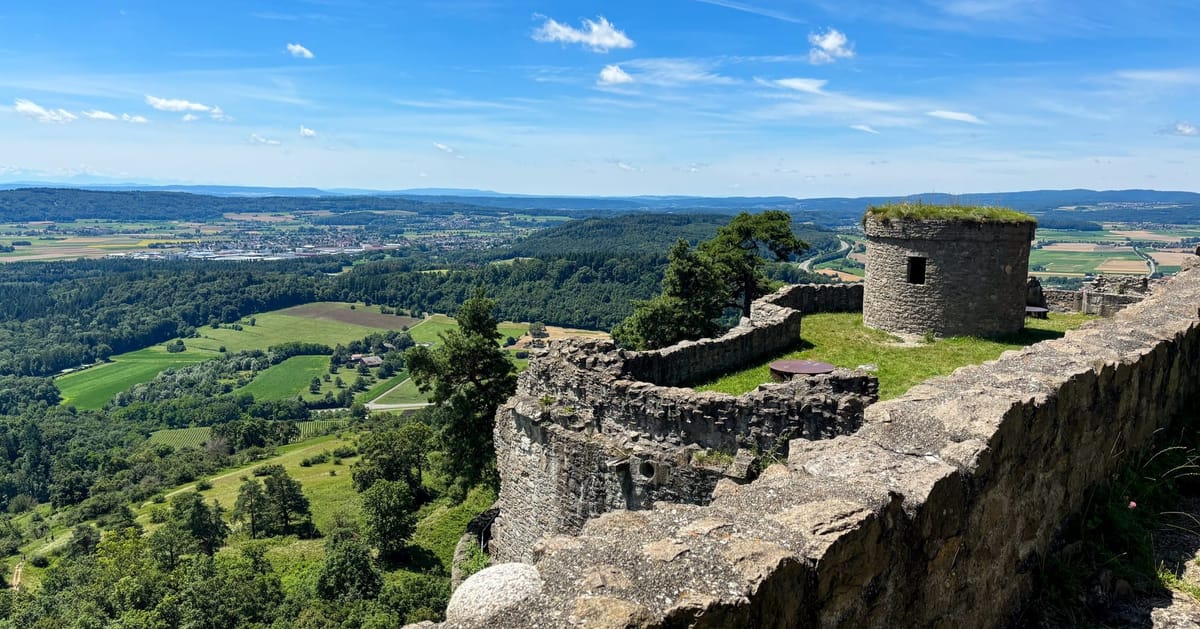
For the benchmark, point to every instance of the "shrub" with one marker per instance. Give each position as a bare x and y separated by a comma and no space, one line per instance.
39,561
204,485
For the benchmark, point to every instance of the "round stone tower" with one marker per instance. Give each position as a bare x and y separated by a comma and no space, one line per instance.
946,271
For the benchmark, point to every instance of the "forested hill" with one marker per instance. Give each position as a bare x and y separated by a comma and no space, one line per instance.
636,234
66,204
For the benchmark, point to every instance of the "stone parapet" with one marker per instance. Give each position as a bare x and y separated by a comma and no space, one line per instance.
935,513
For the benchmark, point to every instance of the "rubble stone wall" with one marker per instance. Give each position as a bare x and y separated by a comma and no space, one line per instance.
974,276
592,428
1088,302
936,513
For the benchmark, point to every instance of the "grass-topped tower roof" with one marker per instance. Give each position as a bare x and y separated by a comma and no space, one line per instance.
946,270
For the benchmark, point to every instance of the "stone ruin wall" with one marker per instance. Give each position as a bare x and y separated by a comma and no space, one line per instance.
1088,302
974,279
592,429
935,513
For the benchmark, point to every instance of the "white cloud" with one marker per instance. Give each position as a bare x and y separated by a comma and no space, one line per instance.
810,86
957,116
614,75
134,119
668,72
175,104
305,132
258,139
97,114
629,168
190,117
829,47
33,110
1185,129
598,36
296,50
865,128
444,148
217,114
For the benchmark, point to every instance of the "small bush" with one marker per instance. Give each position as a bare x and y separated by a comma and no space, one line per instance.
204,485
39,561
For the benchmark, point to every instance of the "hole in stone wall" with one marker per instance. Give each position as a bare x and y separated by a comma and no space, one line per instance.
916,270
646,469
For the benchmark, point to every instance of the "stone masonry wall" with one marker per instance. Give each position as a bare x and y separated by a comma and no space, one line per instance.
1088,302
974,278
586,434
774,325
934,514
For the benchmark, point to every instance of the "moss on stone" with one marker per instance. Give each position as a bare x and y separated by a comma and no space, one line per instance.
916,210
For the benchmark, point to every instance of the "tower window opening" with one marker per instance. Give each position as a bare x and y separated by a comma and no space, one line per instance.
916,270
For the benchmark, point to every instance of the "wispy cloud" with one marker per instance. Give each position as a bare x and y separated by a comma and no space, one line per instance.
190,118
1185,129
627,167
829,47
216,113
443,148
865,128
300,52
97,114
599,35
810,86
258,139
677,71
305,132
1169,77
134,119
175,104
957,116
748,8
614,75
35,111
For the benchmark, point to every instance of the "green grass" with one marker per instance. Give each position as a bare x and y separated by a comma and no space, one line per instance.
1077,261
380,387
92,388
327,494
429,330
842,340
182,437
442,526
406,393
288,379
928,211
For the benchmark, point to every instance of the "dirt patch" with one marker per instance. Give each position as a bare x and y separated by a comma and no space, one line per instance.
261,218
858,257
343,314
841,275
1123,266
1074,247
1142,234
555,332
1171,258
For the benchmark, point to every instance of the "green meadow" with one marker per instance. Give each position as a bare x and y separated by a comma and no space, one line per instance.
94,387
841,339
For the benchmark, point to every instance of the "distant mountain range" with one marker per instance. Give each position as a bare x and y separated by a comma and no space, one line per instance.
1110,205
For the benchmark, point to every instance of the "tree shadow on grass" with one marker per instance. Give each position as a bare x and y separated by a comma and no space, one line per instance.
416,559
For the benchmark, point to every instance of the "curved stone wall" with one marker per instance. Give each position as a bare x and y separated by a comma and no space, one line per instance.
973,280
593,429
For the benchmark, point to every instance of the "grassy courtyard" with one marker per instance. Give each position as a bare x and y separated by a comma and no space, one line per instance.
841,339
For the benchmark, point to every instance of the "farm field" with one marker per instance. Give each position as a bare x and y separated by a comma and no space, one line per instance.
195,437
427,331
288,378
841,339
92,388
1059,262
406,393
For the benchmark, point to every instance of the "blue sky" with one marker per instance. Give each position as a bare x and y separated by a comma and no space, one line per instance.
704,97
